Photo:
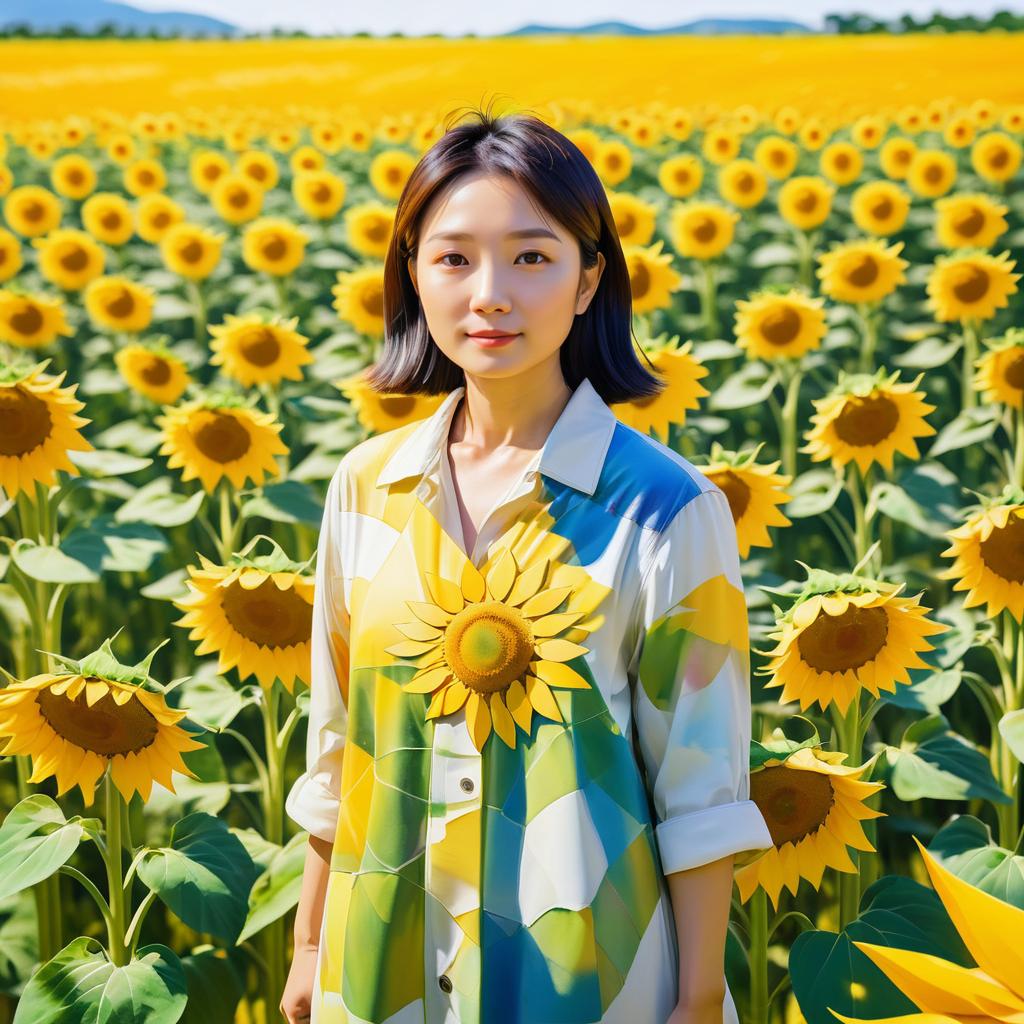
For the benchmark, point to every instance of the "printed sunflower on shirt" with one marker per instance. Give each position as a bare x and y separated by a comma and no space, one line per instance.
500,639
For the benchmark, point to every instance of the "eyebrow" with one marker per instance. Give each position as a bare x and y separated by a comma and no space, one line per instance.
465,236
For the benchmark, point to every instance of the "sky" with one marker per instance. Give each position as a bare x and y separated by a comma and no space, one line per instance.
455,17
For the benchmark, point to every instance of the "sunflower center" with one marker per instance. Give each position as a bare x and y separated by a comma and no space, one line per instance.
155,370
862,270
639,280
489,645
219,436
256,172
1014,372
736,490
105,728
260,346
394,174
211,172
998,157
373,301
1003,551
971,284
970,222
122,306
628,224
378,229
932,174
842,161
745,182
397,405
704,229
238,198
839,643
794,802
780,325
146,177
806,201
882,208
111,219
683,176
75,259
275,247
160,219
75,177
25,421
28,320
33,210
191,251
866,420
267,616
321,193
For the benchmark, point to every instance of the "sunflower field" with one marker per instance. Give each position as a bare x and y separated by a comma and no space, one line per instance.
189,296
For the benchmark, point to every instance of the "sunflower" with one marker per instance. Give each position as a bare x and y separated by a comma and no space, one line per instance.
777,156
38,427
986,549
274,245
720,144
108,217
681,176
494,642
880,207
389,171
945,991
320,194
969,220
115,302
260,167
121,148
369,226
931,173
73,176
359,298
996,157
155,215
255,613
971,285
379,412
282,138
326,137
634,218
613,162
868,418
42,146
959,132
74,725
586,140
772,325
754,492
652,280
841,162
153,371
6,179
31,321
862,270
144,176
681,373
1000,375
813,134
216,436
306,158
252,350
206,167
701,229
805,201
844,634
867,131
813,806
11,260
896,156
236,197
32,210
742,183
678,124
69,258
191,250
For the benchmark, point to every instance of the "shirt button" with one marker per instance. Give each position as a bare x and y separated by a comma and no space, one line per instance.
466,784
445,982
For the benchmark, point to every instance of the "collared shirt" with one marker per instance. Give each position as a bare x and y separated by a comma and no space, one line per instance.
511,747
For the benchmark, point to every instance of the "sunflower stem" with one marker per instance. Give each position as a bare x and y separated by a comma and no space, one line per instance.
789,411
861,540
135,928
227,525
971,332
273,828
115,880
870,341
709,300
1018,451
281,289
759,956
198,300
89,887
806,249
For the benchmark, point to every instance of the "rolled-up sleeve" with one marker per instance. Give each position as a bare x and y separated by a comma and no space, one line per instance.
691,689
312,801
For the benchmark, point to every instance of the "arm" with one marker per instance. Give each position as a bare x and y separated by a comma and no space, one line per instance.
691,702
310,912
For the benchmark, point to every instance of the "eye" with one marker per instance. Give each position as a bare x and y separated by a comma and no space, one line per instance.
533,252
447,254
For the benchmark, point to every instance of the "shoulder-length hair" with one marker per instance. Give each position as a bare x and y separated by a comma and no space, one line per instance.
557,175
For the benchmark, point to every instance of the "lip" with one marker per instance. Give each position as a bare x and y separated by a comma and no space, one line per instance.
492,339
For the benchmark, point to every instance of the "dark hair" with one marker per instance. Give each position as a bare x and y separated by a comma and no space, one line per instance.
560,178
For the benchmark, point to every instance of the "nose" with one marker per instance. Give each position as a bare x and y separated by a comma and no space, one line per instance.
489,293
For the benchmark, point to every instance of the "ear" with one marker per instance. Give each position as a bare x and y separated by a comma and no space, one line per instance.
589,280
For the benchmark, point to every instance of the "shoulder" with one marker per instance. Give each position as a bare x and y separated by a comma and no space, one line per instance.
662,484
366,459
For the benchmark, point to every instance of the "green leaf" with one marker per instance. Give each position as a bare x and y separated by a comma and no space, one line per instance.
927,693
204,876
277,890
35,840
748,386
131,435
773,254
50,564
891,500
210,698
157,504
109,546
19,940
1011,728
167,588
814,493
964,845
972,426
287,502
928,354
109,463
172,307
80,985
215,985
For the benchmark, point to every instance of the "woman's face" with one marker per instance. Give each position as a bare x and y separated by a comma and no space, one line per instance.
489,260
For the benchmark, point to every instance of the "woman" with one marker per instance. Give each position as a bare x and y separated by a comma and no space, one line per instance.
527,758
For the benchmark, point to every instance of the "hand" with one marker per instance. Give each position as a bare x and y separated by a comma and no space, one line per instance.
703,1013
298,989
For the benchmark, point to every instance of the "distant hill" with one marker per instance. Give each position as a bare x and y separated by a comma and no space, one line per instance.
88,15
703,27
